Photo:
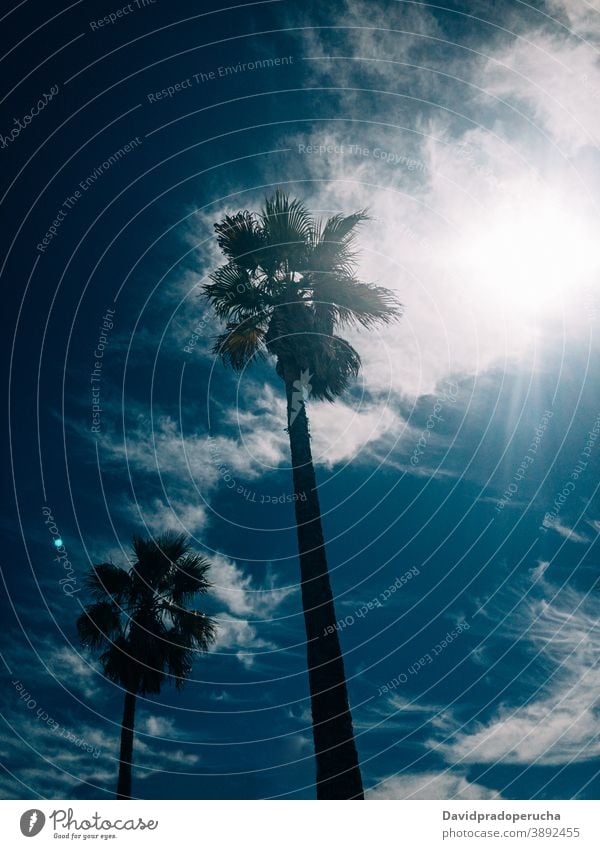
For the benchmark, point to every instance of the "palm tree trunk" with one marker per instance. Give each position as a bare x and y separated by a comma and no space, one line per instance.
126,753
338,772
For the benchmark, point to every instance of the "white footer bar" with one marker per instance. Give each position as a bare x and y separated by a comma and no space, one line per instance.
303,825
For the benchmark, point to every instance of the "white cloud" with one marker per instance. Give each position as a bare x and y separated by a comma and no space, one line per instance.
189,463
561,723
56,765
342,433
53,765
300,715
236,633
452,196
247,607
470,221
540,570
157,726
558,79
158,516
566,532
236,589
595,524
73,671
430,785
149,759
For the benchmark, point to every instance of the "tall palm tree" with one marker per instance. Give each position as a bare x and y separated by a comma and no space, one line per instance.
289,282
141,623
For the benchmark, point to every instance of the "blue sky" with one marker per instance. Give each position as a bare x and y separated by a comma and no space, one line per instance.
466,456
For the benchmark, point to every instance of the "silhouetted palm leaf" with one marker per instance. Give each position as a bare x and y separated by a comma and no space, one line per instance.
291,281
100,623
240,237
334,241
241,343
189,578
285,222
107,579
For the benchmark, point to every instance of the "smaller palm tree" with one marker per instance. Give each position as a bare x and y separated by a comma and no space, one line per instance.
141,624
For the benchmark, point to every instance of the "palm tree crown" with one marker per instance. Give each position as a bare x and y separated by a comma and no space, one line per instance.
289,283
140,620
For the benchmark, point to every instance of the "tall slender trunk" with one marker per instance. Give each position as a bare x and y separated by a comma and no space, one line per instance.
338,772
126,753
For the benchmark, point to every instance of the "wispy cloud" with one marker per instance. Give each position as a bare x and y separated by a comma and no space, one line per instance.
554,71
56,766
249,609
560,724
567,533
238,591
242,637
430,785
70,668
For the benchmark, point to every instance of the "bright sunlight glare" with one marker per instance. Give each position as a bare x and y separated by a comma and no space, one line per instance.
531,255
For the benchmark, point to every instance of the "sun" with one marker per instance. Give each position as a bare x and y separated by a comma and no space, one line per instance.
532,254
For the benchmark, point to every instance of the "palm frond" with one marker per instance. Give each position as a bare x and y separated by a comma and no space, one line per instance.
241,343
291,329
106,579
333,245
171,544
189,577
342,229
192,630
351,302
141,676
118,666
178,661
155,558
148,647
226,281
335,365
99,623
286,222
235,295
241,238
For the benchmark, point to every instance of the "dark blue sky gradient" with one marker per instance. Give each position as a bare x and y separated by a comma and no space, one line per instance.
136,242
